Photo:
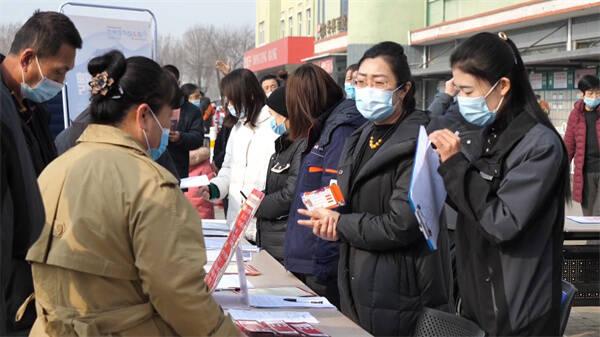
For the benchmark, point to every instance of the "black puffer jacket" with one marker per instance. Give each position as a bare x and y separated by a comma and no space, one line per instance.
386,272
273,213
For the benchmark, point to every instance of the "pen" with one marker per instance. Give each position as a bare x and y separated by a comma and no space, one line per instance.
243,195
301,300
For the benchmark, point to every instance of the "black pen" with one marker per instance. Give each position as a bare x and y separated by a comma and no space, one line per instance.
301,300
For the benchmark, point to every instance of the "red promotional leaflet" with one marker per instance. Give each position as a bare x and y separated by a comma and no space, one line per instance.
255,329
241,222
283,329
308,330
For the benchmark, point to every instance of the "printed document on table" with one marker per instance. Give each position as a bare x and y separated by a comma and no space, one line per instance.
427,193
229,282
273,316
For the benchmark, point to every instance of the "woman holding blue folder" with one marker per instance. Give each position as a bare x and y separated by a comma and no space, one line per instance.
387,273
511,199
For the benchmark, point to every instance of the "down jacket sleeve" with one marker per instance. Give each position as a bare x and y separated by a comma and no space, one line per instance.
388,231
525,187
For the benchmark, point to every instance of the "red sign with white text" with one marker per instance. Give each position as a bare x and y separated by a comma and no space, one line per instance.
241,222
290,50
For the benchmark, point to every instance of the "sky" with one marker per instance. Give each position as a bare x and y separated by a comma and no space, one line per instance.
173,16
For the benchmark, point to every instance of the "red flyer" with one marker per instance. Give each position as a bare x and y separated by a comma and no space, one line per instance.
308,330
241,222
283,329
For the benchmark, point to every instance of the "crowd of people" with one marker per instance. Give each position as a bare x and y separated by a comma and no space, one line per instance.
97,237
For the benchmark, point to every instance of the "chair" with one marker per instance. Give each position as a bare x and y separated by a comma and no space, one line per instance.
435,323
566,302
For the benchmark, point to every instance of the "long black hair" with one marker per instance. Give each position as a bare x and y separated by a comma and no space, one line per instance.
490,57
241,88
393,54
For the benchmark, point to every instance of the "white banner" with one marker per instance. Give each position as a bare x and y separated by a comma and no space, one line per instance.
100,35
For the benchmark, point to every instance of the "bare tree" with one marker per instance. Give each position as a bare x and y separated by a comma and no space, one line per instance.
7,35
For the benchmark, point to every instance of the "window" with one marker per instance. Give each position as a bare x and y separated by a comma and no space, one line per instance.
291,25
282,28
299,33
261,32
344,7
308,22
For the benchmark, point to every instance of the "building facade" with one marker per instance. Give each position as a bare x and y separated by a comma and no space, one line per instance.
559,39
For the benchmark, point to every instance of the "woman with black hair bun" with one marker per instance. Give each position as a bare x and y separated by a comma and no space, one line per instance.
511,199
122,251
387,273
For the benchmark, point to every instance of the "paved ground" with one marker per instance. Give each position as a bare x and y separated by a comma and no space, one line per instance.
584,322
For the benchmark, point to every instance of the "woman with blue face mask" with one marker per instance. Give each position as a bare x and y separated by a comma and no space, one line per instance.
583,145
272,215
510,199
249,148
387,273
119,233
350,81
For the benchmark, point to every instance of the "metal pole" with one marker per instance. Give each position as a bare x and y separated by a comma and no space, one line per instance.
569,34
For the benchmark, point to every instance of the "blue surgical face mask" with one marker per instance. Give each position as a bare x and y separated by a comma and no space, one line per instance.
155,153
234,113
279,129
591,103
350,91
43,91
475,109
375,104
195,102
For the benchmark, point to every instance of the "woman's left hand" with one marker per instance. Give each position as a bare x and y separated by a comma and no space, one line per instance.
447,143
323,222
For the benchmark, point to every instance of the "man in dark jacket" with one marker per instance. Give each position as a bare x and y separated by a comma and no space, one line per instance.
187,136
41,54
306,254
272,215
68,138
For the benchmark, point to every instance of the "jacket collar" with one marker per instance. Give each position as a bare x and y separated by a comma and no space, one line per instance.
106,134
580,106
400,144
343,113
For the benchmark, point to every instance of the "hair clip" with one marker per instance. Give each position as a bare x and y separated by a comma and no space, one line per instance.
101,83
504,37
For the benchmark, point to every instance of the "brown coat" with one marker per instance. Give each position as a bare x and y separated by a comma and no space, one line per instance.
122,251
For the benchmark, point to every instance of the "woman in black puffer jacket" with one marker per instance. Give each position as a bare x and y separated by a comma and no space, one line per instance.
281,180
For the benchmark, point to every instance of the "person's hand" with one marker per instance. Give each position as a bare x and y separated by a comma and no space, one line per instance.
223,67
203,192
447,143
451,89
323,222
174,136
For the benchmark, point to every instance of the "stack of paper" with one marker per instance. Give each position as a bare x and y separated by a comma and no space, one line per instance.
272,301
231,282
588,220
194,182
272,316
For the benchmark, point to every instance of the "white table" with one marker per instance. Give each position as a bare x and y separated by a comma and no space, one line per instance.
331,321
